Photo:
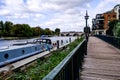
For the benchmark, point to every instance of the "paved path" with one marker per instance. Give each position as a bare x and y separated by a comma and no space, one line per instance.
102,61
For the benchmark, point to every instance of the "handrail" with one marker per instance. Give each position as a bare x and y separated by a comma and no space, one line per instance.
68,68
115,41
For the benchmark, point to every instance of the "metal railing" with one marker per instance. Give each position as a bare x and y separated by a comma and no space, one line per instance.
111,40
69,68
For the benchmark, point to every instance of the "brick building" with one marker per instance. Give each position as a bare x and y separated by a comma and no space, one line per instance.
101,21
108,16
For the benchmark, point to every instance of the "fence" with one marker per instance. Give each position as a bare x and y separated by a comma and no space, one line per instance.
69,68
111,40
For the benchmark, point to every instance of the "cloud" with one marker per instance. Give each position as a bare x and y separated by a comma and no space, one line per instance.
55,5
62,12
4,12
11,7
65,22
36,6
14,5
65,14
106,5
18,16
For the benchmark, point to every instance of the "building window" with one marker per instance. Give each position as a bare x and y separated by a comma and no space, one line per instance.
114,16
108,17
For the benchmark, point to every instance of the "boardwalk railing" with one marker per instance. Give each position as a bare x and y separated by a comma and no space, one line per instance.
111,40
69,68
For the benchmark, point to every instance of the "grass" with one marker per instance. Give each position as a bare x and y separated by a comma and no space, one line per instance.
42,67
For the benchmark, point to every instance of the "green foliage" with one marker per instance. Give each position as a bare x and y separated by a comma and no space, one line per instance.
43,66
8,26
8,29
21,30
1,25
111,27
47,31
116,30
37,31
1,28
57,31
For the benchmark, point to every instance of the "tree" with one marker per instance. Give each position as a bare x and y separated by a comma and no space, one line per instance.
8,29
47,31
16,30
37,31
111,26
57,31
8,26
26,30
116,29
1,25
22,30
1,28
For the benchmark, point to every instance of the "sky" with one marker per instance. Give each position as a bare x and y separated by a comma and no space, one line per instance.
68,15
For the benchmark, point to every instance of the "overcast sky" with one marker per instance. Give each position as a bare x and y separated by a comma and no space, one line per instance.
68,15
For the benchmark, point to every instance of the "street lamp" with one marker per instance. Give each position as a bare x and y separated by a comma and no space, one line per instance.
86,31
86,18
86,28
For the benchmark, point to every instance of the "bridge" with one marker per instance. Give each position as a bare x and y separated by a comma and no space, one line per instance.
71,33
102,61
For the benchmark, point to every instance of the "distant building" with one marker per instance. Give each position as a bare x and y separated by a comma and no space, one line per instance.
94,24
117,11
97,24
101,21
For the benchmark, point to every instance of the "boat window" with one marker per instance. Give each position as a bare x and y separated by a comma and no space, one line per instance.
23,51
48,41
44,41
35,48
6,56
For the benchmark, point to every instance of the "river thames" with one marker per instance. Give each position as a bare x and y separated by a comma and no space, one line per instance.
5,43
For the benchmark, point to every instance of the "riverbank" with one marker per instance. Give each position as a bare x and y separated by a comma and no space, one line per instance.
43,66
17,38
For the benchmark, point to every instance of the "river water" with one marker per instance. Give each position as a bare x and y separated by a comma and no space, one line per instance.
4,43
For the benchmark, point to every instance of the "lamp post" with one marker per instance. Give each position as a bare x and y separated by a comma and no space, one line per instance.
86,18
86,31
86,28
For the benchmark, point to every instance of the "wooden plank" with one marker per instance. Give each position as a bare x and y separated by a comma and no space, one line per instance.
102,61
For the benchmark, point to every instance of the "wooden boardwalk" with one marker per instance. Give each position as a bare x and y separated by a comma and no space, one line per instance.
102,61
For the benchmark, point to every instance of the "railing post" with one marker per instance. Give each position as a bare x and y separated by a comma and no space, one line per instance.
85,47
119,43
